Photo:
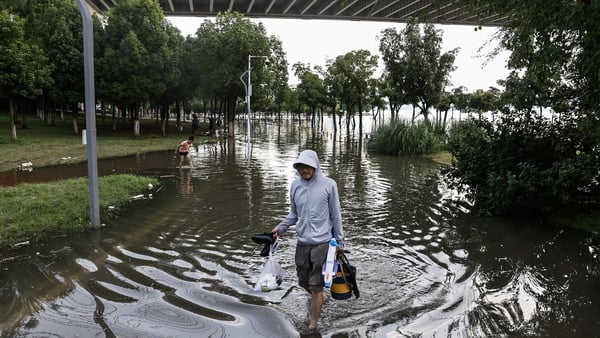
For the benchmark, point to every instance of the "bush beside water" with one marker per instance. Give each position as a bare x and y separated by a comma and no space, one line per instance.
525,163
519,164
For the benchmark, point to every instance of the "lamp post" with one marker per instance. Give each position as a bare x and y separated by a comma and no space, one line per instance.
90,113
248,87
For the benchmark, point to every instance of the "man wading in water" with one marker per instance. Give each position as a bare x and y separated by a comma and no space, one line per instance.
315,209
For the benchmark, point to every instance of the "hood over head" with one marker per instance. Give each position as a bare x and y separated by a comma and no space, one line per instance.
310,158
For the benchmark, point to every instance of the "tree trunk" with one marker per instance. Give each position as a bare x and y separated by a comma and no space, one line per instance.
24,117
164,115
178,111
51,116
136,127
75,126
333,113
114,118
163,127
13,127
135,113
231,116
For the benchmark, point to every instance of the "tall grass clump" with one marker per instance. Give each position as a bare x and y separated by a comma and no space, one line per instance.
405,138
36,211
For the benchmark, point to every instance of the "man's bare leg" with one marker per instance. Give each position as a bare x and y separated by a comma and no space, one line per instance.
316,304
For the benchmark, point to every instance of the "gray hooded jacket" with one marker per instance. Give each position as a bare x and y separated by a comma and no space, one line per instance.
315,206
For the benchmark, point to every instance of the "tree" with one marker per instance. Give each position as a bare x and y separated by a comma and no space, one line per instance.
56,27
461,99
137,61
277,75
23,66
484,101
311,89
377,96
528,161
176,89
394,93
351,77
222,48
415,61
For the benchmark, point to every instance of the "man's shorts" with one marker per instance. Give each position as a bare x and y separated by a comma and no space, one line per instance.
309,265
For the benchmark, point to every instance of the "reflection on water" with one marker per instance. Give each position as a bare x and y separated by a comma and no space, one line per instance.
182,264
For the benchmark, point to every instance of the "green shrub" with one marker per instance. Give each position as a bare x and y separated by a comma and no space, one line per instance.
404,138
525,163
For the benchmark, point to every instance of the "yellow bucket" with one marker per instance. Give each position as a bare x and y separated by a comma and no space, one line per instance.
340,289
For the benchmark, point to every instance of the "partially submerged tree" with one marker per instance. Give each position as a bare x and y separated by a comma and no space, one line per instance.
415,62
222,48
354,71
349,78
311,89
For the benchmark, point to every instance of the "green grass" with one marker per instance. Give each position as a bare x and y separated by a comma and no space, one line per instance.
33,212
45,145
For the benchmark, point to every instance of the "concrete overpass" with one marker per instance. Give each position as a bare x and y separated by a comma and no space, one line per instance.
433,11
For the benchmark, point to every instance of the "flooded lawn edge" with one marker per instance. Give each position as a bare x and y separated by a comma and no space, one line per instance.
62,207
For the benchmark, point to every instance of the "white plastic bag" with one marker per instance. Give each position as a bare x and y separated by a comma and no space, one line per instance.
271,276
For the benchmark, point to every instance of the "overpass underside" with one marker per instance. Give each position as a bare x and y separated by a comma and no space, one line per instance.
434,11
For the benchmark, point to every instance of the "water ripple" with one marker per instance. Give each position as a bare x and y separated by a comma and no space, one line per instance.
183,263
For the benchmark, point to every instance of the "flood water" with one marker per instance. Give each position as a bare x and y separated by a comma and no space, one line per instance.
180,263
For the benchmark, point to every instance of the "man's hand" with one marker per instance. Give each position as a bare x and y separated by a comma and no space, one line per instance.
275,232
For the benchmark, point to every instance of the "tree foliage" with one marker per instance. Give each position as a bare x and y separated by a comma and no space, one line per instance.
23,65
222,48
311,89
523,163
525,160
137,55
417,70
56,27
351,78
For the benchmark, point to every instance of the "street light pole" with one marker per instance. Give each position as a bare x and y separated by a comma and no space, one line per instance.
90,113
248,87
248,95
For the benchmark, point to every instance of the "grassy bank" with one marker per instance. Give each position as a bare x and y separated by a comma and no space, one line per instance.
33,212
45,145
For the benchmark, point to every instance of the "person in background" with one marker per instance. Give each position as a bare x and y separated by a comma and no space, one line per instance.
183,149
315,210
195,123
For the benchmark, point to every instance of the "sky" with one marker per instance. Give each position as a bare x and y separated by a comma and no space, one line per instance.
316,41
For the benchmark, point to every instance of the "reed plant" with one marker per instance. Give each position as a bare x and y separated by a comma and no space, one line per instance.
401,137
31,213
